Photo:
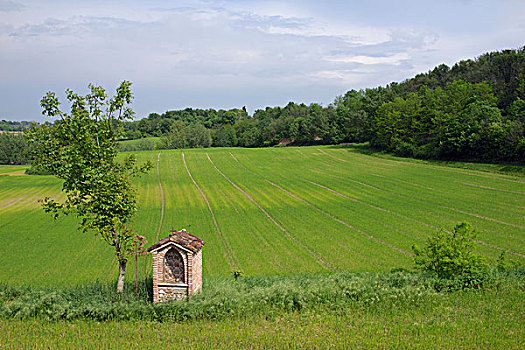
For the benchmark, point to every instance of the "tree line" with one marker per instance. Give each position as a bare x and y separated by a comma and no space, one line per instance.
474,110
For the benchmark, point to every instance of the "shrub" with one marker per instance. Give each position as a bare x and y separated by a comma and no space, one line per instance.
405,149
505,263
223,298
451,254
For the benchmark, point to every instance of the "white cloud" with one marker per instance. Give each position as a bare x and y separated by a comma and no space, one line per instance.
394,59
9,6
238,53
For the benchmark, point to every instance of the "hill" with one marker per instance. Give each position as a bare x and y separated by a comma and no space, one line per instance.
271,211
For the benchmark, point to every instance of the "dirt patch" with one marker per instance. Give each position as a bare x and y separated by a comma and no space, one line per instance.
10,202
285,141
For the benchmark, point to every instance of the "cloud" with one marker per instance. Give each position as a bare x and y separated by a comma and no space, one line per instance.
231,54
10,6
74,26
393,59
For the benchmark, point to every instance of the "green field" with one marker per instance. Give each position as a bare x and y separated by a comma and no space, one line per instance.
458,320
273,211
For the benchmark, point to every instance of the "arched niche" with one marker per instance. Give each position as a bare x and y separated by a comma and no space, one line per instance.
173,267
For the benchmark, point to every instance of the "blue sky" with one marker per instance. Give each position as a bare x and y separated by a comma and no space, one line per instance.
227,54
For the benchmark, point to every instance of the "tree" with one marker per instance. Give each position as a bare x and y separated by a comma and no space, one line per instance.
176,137
197,136
224,136
450,254
81,148
13,148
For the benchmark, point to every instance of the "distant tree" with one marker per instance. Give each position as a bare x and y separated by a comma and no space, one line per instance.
13,149
224,136
176,137
250,137
197,136
145,144
81,148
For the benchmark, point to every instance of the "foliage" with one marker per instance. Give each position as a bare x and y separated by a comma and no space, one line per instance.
13,149
18,126
506,263
224,136
159,125
441,323
472,111
241,297
450,254
186,136
80,148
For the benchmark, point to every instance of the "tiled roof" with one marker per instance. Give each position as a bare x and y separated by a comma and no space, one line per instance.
183,238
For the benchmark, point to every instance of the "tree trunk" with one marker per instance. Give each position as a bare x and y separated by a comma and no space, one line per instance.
121,273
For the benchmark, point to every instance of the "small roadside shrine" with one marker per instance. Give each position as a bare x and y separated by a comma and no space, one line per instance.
177,266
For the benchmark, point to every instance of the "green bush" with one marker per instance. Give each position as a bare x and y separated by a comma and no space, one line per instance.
451,254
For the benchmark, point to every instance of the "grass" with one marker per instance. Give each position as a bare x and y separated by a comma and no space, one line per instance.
515,169
392,310
137,144
12,169
459,321
278,211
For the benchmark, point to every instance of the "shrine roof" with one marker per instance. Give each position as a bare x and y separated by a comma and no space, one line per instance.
183,238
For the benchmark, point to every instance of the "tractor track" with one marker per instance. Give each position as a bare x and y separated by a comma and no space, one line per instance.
378,240
438,205
161,221
490,245
317,256
229,255
411,219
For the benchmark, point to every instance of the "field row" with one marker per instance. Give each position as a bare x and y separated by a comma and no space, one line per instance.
270,211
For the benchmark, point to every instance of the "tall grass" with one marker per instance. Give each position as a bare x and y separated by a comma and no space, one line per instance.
344,310
245,297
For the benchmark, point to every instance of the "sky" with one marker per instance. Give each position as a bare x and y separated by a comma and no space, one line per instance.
234,53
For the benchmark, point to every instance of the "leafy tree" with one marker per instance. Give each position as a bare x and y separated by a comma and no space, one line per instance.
450,254
81,148
13,148
251,137
197,136
176,137
225,136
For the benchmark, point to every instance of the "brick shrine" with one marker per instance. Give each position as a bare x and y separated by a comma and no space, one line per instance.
177,266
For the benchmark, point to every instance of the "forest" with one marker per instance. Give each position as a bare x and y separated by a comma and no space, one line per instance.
474,110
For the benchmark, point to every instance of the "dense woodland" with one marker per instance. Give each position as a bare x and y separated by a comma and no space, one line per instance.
474,110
